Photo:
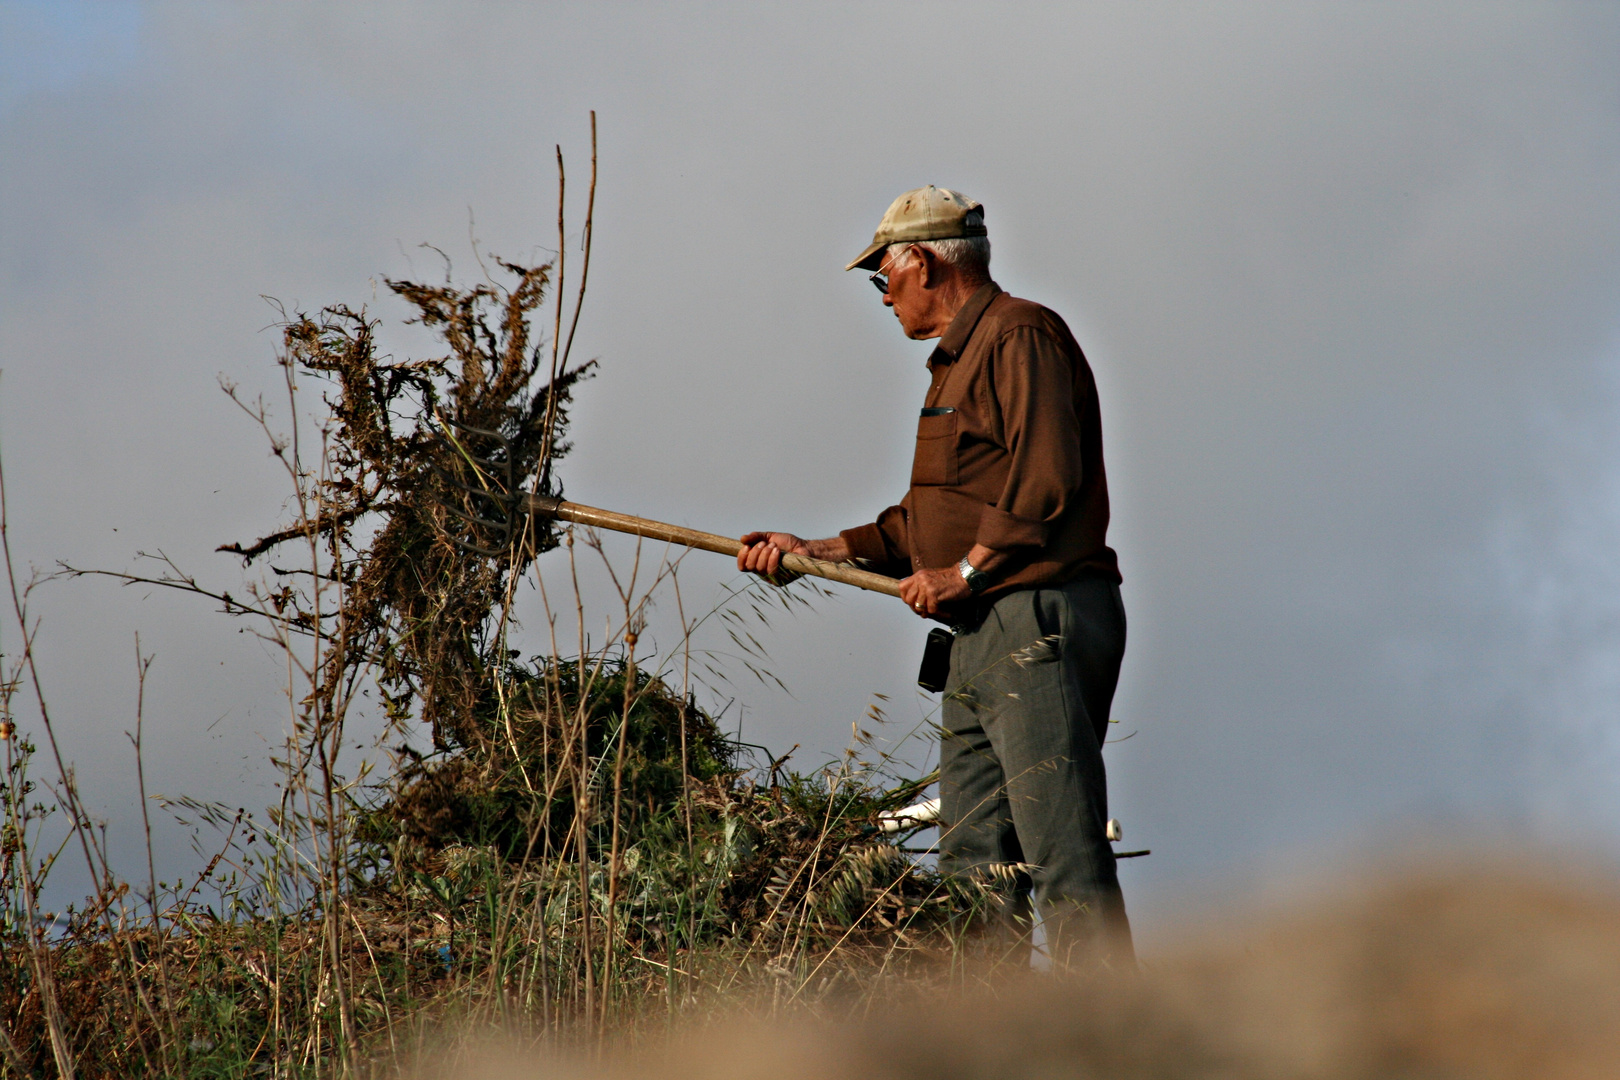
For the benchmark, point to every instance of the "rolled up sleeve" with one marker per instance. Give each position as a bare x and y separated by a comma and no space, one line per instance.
1033,379
883,544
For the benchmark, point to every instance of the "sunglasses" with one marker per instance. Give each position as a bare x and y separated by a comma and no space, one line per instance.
880,280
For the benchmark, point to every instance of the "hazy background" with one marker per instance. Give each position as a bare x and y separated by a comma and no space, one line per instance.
1347,275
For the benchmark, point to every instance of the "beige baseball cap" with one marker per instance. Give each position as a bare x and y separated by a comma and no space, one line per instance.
927,213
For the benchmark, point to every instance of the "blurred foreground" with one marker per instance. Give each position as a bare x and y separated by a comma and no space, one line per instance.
1465,971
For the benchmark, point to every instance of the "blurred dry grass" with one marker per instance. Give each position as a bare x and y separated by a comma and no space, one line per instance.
1480,971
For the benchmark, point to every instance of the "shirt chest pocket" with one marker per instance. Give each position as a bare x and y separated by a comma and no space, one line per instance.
935,460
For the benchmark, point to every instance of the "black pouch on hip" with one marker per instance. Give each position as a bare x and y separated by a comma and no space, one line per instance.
936,661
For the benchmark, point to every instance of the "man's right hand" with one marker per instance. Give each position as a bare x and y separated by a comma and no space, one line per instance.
762,552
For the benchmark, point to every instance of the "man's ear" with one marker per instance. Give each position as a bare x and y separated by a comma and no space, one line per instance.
928,266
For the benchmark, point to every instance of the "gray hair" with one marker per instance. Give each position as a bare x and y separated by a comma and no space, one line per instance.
968,254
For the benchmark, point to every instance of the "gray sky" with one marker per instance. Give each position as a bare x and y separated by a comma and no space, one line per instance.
1347,275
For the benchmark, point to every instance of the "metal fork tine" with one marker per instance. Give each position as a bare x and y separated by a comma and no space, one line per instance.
482,522
450,477
482,432
489,553
488,467
482,493
504,528
475,513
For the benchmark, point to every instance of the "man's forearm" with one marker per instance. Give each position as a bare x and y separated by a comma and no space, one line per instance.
989,561
832,549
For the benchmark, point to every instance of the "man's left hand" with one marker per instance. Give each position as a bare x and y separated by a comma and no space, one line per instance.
928,591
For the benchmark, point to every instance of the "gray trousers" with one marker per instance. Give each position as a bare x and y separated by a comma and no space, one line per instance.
1025,798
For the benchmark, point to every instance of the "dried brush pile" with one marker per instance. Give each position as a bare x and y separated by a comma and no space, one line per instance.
418,610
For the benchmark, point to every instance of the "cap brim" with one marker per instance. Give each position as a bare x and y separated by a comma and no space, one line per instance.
871,258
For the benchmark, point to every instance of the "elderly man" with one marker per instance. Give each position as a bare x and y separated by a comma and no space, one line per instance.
1002,536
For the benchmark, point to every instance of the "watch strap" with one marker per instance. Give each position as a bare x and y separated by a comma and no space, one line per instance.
976,580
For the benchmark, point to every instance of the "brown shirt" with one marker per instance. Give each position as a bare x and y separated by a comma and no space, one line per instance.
1009,454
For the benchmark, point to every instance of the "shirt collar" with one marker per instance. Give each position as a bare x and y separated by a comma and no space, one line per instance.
956,335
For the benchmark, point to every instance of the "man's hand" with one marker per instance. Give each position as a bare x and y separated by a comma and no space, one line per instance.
762,553
927,591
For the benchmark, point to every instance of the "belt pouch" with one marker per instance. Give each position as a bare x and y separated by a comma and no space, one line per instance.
936,661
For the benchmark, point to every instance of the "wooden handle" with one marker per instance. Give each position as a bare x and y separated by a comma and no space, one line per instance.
724,545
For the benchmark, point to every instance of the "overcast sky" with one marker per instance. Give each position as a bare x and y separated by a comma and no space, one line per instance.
1347,275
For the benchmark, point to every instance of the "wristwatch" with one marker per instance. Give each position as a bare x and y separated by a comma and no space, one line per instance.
976,580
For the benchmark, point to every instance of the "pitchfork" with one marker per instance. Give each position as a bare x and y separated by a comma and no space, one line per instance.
497,505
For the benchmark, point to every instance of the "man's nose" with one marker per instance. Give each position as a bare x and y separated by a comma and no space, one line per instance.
888,300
